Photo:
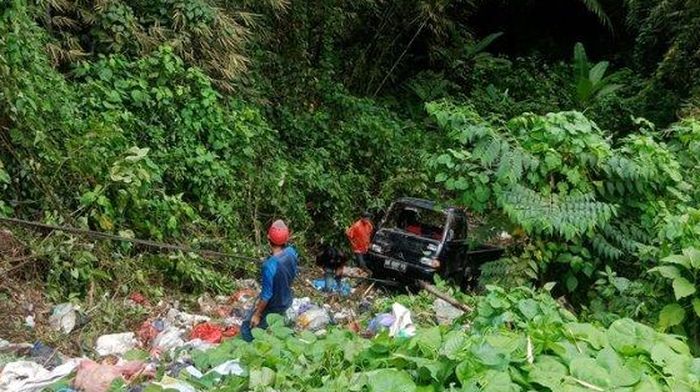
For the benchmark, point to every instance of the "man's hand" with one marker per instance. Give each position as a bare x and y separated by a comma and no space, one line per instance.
255,320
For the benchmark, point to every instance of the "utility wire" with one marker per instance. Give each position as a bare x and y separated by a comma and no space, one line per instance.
112,237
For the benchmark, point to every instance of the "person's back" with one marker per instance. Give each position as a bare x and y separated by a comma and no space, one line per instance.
360,234
281,269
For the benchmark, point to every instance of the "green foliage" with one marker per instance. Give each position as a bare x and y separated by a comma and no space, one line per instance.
590,82
518,340
682,271
583,200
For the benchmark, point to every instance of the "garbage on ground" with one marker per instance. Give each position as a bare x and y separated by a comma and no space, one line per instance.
398,322
208,332
169,383
146,333
63,318
365,305
18,349
169,339
228,368
379,322
182,319
95,377
45,355
138,298
402,325
242,301
445,313
313,319
248,283
344,289
299,306
29,321
354,272
231,331
243,295
343,316
29,376
115,344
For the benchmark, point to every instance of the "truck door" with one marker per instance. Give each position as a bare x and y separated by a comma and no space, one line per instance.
456,244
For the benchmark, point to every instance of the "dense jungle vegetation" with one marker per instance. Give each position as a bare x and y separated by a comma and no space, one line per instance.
574,125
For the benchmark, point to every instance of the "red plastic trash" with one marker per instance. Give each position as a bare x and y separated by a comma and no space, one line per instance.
231,331
146,333
208,332
138,298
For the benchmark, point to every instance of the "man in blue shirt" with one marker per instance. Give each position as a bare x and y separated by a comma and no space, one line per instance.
278,273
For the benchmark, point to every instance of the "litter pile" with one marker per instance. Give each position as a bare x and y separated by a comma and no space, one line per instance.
165,343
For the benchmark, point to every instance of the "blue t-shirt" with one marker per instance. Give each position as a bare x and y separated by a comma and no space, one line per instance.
278,273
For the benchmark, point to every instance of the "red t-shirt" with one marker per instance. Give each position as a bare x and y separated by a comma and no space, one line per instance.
359,235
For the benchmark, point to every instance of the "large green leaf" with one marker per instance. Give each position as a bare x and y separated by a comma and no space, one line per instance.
621,374
491,356
548,371
693,256
696,306
588,371
587,332
390,380
629,337
597,72
667,271
671,315
678,259
261,377
682,288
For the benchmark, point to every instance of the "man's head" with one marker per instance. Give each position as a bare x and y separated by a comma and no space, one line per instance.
278,233
366,215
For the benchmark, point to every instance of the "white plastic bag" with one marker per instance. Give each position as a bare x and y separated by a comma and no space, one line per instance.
115,344
313,319
63,317
169,339
402,325
28,376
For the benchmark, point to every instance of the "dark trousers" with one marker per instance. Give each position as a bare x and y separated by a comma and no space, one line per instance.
360,260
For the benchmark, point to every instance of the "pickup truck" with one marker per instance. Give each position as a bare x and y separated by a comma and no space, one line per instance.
417,239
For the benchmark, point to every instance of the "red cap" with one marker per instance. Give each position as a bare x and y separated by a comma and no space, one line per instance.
278,234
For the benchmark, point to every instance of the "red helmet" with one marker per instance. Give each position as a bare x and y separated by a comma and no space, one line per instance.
278,234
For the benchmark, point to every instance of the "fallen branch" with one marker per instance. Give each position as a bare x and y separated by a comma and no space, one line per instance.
445,297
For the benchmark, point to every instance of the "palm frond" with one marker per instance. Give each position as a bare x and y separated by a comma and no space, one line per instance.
596,8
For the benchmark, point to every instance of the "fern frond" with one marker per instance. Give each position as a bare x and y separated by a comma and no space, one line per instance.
569,216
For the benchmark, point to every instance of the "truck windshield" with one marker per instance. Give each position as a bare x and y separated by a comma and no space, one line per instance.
422,222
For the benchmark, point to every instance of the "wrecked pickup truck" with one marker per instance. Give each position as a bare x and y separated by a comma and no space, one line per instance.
418,238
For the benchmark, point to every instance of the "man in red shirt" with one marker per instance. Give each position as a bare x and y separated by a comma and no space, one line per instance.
360,234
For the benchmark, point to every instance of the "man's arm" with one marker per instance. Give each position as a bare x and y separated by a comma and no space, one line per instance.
257,313
268,273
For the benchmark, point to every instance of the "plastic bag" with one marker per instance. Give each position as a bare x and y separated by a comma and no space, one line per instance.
169,339
116,344
63,317
94,377
208,332
313,319
402,325
146,333
169,383
344,289
299,306
29,376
